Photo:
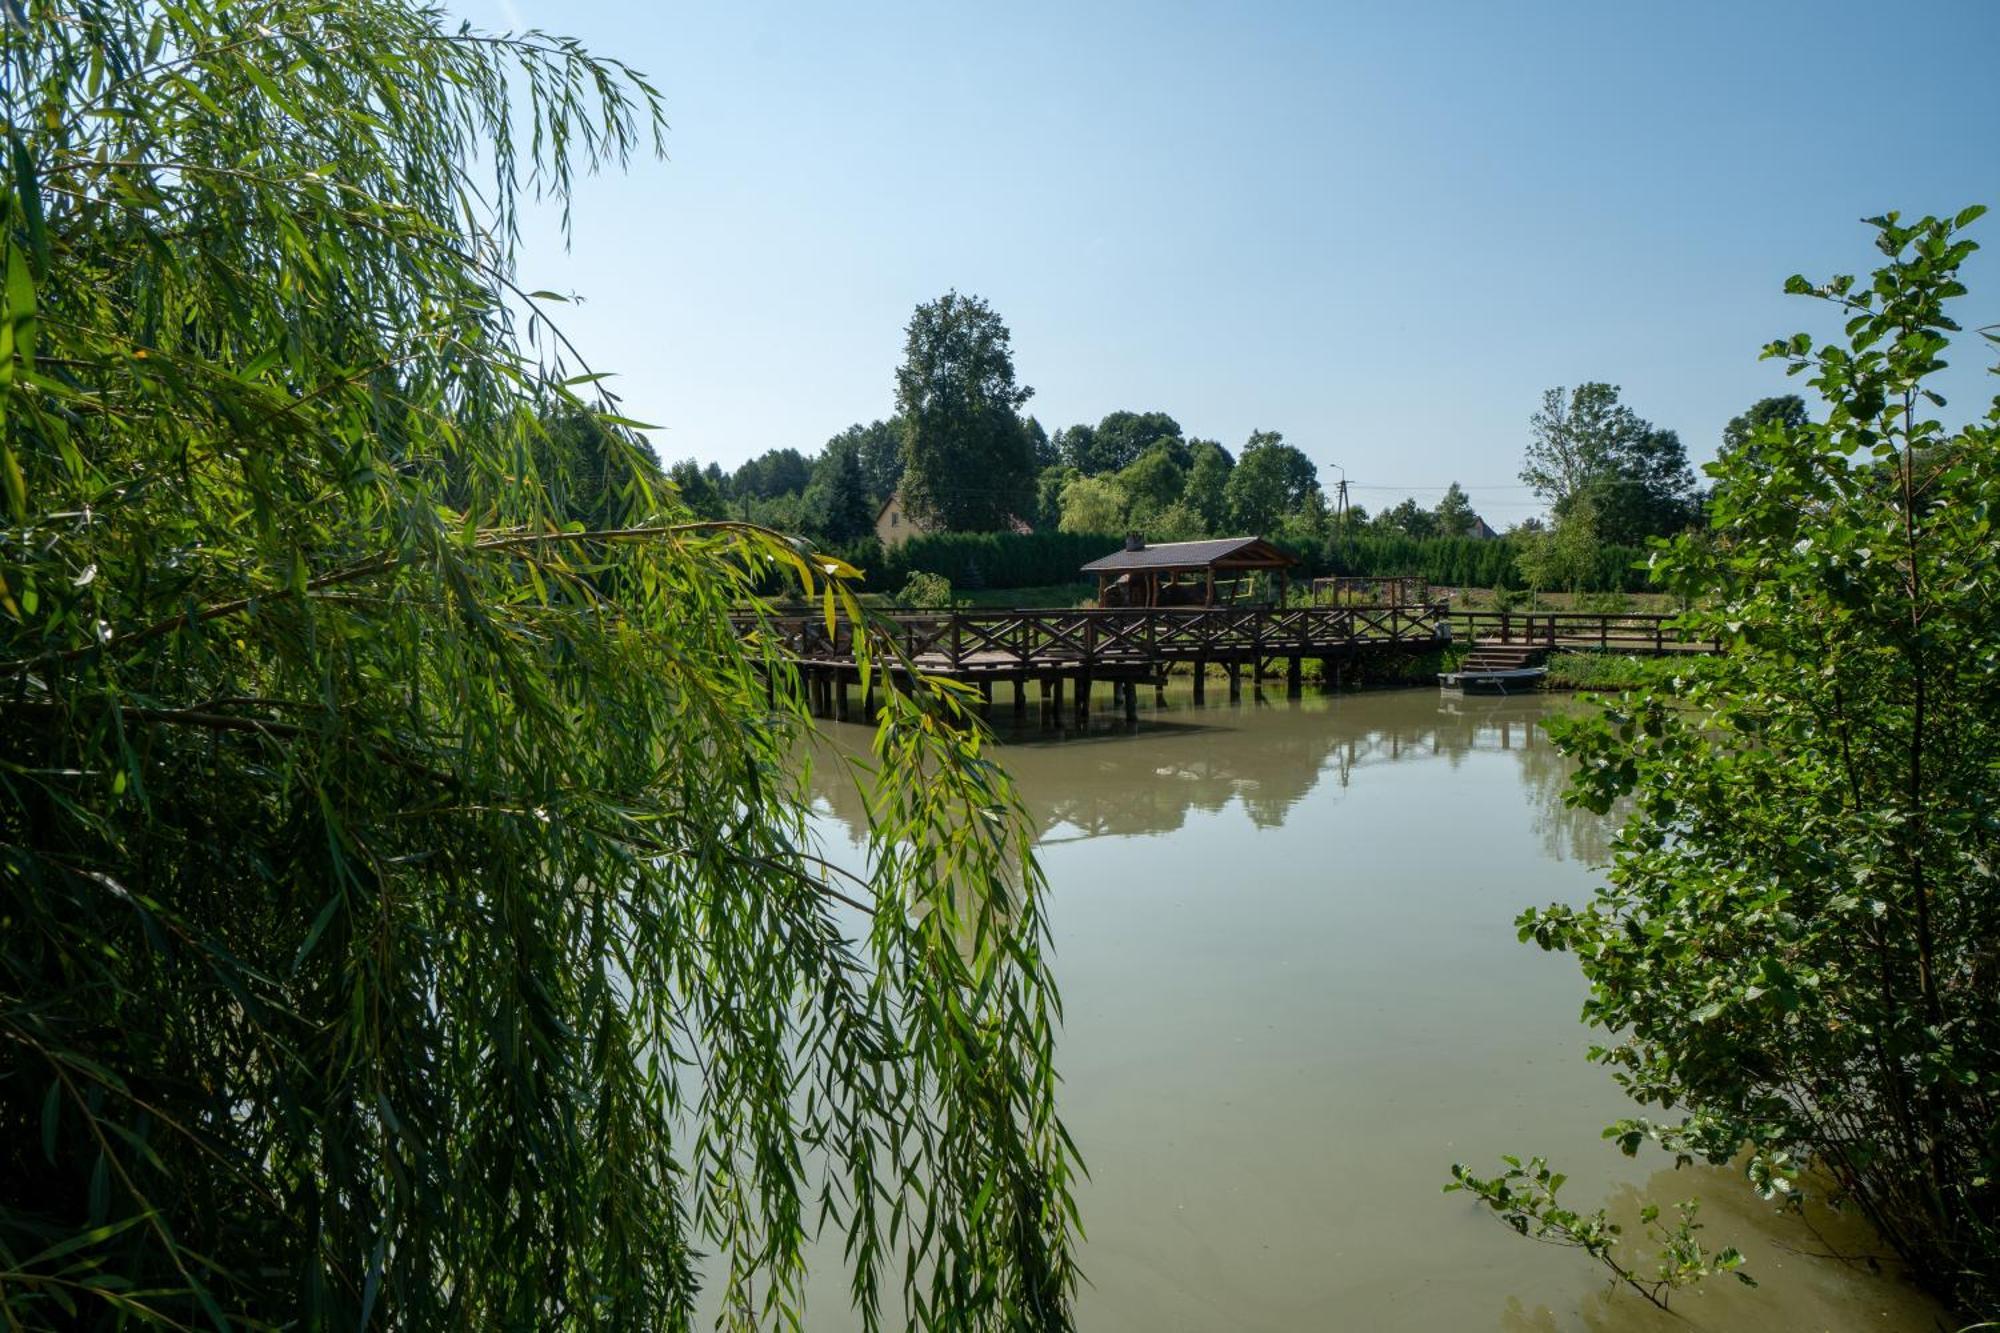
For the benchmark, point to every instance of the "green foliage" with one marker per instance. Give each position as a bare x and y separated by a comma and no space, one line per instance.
410,913
1524,1198
1787,411
1587,448
1270,480
1118,440
1467,562
838,503
1566,557
968,463
1003,559
1616,671
1094,504
926,591
1207,489
1796,949
1454,513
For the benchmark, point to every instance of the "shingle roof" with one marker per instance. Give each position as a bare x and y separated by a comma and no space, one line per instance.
1186,555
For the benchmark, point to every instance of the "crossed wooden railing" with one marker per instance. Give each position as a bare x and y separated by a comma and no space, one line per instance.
1055,639
1616,631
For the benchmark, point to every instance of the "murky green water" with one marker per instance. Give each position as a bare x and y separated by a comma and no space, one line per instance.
1284,938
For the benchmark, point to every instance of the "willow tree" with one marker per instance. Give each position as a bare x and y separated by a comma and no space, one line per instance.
410,909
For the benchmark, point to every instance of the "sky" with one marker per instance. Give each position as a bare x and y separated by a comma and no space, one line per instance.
1382,229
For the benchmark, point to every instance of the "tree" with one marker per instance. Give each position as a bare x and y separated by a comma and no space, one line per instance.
697,492
968,464
1094,504
1206,491
412,918
1409,518
1153,481
1454,513
1040,445
1269,481
838,499
878,447
1795,953
1785,410
1587,442
1564,556
596,475
772,473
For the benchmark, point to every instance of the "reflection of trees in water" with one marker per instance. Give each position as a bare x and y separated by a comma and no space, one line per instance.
1268,757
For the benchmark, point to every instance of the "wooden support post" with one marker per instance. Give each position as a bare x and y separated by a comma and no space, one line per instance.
1200,680
1257,668
1131,702
1327,679
986,695
868,699
840,696
1056,696
1293,678
1020,698
1235,680
1082,700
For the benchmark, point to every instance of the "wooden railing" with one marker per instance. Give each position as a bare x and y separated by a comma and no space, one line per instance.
1054,639
1616,631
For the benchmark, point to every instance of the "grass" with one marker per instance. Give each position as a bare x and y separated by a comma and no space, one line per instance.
1615,671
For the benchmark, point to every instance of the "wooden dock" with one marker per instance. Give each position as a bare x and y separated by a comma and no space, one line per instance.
1051,650
1048,653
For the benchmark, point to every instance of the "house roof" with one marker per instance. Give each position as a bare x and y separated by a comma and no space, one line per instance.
1194,555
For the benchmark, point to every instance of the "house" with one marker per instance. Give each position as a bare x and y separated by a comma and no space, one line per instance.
895,524
1205,573
1481,530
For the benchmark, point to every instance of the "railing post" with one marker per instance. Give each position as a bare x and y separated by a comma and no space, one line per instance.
1506,626
957,627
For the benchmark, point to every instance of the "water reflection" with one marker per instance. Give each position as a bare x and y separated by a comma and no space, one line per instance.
1293,996
1267,753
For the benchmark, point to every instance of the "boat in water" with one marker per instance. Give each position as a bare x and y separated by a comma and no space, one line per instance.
1497,669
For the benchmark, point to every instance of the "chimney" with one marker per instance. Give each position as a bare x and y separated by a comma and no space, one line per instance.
1135,541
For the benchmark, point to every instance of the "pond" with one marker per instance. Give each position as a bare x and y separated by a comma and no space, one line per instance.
1284,937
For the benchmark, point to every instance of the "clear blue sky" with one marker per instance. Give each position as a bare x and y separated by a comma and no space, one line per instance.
1381,228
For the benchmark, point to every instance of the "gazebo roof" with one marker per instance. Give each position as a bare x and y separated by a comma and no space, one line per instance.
1252,552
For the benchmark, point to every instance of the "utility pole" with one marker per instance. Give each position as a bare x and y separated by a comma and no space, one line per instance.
1340,501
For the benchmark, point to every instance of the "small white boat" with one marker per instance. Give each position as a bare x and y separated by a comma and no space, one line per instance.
1494,680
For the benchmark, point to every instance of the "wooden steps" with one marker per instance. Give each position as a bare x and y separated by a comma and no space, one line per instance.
1502,657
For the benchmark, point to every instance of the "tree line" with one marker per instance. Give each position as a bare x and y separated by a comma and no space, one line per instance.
968,460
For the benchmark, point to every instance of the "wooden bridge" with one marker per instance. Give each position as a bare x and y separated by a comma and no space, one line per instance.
1054,651
1050,650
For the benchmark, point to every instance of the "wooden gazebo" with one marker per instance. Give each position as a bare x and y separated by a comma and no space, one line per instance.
1205,573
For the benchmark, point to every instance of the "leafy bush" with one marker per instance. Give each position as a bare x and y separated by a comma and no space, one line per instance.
1797,951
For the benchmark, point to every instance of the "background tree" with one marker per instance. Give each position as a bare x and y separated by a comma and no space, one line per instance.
1040,445
1118,440
1270,479
1565,555
1152,481
838,499
1409,518
968,463
1787,411
697,492
595,474
1636,474
1454,513
1795,953
772,473
1206,490
1094,504
411,913
878,447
